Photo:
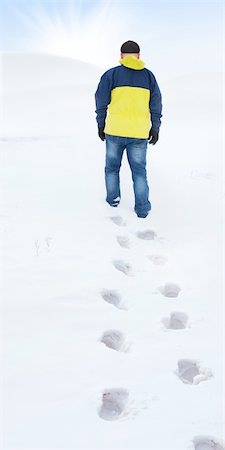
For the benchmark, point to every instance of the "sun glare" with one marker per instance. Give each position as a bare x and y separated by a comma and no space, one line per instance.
74,33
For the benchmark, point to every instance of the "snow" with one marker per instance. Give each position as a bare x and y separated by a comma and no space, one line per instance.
89,292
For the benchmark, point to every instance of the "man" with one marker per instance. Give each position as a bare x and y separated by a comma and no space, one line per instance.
128,107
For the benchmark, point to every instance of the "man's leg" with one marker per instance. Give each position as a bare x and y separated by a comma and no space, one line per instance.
114,152
136,154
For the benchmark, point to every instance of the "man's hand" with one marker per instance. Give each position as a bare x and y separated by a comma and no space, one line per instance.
153,136
101,133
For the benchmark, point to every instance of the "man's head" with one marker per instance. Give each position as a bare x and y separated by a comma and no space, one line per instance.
130,48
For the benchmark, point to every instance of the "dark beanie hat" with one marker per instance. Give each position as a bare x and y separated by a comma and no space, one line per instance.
130,47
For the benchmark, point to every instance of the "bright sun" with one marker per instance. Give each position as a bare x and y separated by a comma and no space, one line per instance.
75,33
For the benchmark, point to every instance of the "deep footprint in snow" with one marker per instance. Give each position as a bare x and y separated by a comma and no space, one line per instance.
190,372
207,443
118,220
123,266
123,241
170,290
159,260
114,402
177,321
113,339
188,369
148,235
112,297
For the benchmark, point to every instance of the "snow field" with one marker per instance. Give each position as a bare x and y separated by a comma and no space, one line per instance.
112,325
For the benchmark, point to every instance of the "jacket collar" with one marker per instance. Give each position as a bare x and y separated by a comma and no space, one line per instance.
132,62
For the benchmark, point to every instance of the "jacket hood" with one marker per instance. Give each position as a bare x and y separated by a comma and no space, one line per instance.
132,62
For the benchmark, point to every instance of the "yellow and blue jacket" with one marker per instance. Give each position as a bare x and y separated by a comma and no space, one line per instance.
128,100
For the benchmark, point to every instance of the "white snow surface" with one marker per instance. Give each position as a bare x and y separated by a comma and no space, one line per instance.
63,387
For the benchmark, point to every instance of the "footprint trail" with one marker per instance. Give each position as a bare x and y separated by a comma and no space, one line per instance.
148,235
177,321
118,220
113,297
123,267
123,241
113,339
114,402
207,443
170,290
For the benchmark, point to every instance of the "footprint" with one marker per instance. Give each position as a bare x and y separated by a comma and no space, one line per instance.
118,220
170,290
112,297
113,339
190,372
188,369
149,235
159,260
123,266
177,321
207,443
123,241
114,402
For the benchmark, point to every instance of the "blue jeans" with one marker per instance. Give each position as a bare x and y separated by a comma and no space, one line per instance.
136,155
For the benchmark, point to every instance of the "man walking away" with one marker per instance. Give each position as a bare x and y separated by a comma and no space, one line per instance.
129,109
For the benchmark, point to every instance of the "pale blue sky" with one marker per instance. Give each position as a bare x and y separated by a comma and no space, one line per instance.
186,35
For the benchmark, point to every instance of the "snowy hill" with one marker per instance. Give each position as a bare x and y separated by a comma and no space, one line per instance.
38,90
112,325
22,70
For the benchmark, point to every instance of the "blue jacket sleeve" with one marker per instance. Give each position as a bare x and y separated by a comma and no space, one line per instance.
155,104
103,97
